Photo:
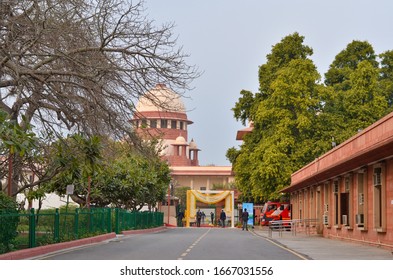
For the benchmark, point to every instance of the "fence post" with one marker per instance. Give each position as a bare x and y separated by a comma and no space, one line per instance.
104,225
109,220
117,230
91,218
144,219
56,232
32,229
135,221
76,223
154,217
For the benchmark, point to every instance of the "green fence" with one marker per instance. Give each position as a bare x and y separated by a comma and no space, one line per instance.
47,227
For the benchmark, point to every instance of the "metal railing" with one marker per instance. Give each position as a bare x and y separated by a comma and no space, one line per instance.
307,226
47,227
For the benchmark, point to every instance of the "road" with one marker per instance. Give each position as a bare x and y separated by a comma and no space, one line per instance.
182,244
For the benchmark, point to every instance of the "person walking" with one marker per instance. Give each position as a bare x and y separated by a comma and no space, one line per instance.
212,217
223,217
245,219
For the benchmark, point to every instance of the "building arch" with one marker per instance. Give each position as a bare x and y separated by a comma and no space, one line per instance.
210,197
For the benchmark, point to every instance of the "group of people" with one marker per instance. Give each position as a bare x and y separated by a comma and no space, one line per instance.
200,217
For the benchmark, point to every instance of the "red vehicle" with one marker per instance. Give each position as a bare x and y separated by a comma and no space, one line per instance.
274,211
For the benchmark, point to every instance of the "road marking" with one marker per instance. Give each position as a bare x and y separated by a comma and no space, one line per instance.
194,244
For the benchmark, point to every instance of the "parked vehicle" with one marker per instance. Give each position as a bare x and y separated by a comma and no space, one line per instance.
274,211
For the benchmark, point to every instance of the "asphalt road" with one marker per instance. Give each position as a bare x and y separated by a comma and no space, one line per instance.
182,244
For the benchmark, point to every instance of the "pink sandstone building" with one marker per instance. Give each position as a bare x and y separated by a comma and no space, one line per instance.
349,190
161,114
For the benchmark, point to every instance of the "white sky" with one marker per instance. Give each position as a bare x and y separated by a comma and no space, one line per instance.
229,39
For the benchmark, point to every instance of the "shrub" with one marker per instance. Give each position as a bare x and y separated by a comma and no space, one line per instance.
8,222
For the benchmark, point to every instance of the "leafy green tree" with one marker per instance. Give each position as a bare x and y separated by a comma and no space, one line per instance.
346,61
386,75
284,114
364,103
133,181
291,47
121,174
296,118
357,91
78,159
91,155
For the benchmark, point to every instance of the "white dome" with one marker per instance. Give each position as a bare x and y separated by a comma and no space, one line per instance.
160,98
180,141
193,145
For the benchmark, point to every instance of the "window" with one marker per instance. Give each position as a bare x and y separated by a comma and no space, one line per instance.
153,123
379,198
272,207
312,203
361,207
345,202
173,124
144,123
336,202
181,125
326,198
164,123
300,206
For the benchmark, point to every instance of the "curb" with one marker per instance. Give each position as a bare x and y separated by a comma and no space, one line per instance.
283,246
140,231
41,250
46,249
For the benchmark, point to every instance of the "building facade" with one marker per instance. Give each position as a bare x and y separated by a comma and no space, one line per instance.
161,114
349,190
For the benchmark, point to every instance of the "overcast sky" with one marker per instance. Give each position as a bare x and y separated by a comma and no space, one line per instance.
228,40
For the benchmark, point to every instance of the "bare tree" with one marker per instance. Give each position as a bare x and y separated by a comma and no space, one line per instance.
80,65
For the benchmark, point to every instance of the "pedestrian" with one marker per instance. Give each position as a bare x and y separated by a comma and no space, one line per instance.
223,217
212,217
199,217
180,217
203,217
245,219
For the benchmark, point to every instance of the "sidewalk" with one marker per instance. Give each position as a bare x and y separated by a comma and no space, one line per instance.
316,247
